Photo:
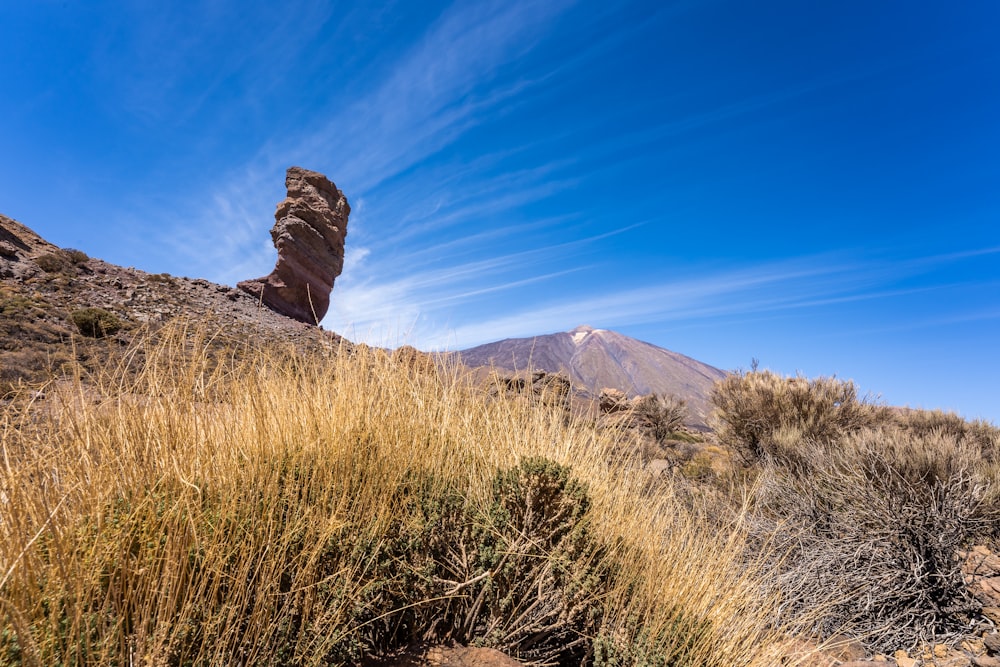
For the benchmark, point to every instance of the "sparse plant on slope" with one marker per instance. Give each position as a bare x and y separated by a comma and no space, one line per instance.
64,261
96,322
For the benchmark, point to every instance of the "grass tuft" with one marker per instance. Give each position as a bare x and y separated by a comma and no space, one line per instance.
210,506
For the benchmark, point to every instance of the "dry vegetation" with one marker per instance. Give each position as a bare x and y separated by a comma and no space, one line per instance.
200,503
265,507
869,508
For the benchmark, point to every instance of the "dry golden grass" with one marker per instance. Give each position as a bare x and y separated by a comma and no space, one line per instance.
263,508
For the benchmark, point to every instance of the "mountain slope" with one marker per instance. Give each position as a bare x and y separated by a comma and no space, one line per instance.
598,358
44,287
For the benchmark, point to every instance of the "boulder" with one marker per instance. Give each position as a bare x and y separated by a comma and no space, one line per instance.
613,400
309,230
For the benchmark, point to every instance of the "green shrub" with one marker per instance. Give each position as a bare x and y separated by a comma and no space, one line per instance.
61,261
96,322
751,408
54,262
519,574
75,256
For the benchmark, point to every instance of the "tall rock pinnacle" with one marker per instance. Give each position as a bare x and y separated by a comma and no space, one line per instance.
309,230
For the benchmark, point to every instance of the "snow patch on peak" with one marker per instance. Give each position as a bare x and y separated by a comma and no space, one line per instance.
580,333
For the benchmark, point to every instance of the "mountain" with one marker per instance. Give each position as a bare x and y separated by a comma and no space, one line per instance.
599,358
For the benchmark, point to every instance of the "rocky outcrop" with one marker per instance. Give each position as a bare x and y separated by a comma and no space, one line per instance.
309,230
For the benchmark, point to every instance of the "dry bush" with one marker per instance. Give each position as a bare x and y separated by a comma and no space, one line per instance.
874,524
661,415
977,433
751,408
271,507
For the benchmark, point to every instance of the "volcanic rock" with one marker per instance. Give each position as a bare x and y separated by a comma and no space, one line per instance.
309,230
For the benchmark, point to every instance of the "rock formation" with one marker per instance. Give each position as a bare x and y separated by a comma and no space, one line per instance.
309,230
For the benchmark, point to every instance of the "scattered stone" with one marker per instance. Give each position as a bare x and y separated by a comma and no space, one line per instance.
985,661
846,649
658,466
953,661
309,230
412,358
973,646
613,400
447,656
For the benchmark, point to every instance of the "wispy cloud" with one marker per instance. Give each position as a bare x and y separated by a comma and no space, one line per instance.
434,91
807,283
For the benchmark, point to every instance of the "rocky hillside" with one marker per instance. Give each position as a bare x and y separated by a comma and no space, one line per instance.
59,303
598,358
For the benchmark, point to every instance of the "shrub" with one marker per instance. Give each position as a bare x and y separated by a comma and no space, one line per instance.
519,573
751,408
75,256
662,416
978,433
61,261
54,262
874,523
96,322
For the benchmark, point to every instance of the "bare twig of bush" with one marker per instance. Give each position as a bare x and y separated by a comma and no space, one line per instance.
873,524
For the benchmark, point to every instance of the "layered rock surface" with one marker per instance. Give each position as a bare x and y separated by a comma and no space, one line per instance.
309,230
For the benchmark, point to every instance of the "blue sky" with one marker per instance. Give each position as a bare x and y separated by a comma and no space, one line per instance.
815,185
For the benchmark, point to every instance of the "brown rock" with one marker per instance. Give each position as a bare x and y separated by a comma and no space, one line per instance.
986,591
412,358
992,642
552,388
985,661
613,400
980,560
448,656
973,645
953,661
846,650
309,230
